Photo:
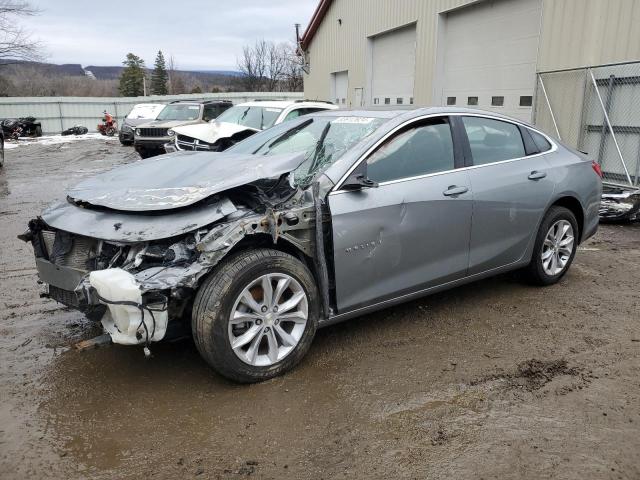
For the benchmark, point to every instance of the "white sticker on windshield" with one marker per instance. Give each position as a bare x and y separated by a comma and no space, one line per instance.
274,110
194,107
358,120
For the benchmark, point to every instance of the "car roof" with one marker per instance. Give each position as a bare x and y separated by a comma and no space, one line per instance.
285,104
409,112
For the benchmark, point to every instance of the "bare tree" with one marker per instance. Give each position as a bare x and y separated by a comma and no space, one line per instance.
16,44
268,66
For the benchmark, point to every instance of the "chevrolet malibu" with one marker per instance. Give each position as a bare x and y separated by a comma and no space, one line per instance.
327,217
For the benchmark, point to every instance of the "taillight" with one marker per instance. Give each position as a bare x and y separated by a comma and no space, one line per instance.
597,168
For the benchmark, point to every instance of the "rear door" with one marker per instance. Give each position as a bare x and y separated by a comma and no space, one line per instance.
412,231
511,191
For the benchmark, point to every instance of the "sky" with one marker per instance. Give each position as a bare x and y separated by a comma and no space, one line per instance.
200,34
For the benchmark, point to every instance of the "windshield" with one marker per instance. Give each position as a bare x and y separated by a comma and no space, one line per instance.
145,111
180,112
323,140
252,117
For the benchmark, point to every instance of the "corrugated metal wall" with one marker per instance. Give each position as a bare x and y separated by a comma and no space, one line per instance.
573,33
60,113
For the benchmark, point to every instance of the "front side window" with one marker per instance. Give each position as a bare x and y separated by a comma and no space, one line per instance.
417,150
252,117
210,112
493,140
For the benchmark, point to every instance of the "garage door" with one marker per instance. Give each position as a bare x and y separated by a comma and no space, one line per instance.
393,67
340,87
490,56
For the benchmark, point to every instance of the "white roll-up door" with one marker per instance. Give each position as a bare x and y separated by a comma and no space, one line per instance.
393,67
340,88
490,53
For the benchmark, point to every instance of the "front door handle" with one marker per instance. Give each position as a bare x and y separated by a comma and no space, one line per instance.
535,175
454,190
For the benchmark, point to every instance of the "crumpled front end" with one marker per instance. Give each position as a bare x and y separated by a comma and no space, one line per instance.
620,204
142,279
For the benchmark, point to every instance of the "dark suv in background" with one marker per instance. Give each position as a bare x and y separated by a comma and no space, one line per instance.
150,137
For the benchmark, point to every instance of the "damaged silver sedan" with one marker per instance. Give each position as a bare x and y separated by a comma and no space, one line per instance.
312,222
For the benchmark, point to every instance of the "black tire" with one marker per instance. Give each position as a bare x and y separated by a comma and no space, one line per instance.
38,131
535,272
215,300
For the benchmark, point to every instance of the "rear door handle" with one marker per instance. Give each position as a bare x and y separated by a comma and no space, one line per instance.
535,175
454,190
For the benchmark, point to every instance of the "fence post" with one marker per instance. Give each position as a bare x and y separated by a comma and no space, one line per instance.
553,117
613,135
60,112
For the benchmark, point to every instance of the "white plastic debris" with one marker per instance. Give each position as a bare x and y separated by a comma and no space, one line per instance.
126,323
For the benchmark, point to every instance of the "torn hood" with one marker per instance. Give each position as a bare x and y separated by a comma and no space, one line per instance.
177,180
212,132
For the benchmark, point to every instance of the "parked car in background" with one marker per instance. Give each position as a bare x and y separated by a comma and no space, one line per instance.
240,122
139,114
150,137
311,222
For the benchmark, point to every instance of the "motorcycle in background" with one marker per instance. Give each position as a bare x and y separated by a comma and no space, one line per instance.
109,125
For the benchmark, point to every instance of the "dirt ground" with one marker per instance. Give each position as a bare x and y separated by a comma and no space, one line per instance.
493,380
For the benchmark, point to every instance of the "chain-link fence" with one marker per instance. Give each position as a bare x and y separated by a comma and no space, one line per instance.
595,110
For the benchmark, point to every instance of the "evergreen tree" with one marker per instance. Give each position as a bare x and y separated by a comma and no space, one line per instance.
132,77
196,89
159,76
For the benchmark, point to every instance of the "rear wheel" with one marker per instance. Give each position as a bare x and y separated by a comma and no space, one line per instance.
255,317
555,247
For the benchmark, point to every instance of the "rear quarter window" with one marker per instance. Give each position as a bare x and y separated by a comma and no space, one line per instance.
542,143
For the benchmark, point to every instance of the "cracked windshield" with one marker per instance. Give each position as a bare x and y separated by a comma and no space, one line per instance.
322,139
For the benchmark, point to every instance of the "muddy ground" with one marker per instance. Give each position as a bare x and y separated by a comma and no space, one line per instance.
493,380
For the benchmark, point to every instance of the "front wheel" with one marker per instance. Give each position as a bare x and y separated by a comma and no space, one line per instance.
555,247
255,317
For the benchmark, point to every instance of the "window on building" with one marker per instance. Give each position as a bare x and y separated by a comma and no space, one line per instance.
387,101
526,101
399,101
497,101
451,100
493,140
376,101
420,149
411,101
472,100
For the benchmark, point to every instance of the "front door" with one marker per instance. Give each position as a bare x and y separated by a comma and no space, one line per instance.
412,231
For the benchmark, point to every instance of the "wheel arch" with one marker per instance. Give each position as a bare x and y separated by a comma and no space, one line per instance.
572,204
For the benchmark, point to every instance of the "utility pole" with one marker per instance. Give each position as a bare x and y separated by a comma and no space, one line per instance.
144,86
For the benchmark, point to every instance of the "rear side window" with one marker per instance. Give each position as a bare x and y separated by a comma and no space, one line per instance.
541,142
493,140
417,150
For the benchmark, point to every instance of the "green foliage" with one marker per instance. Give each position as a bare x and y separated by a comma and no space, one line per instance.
132,77
159,76
196,89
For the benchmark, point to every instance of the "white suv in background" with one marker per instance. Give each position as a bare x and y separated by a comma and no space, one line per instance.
239,122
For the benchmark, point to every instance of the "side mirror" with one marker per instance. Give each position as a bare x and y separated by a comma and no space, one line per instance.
357,181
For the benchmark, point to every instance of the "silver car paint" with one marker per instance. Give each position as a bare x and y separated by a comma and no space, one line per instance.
400,237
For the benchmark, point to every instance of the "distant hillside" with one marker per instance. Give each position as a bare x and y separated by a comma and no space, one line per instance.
110,73
67,69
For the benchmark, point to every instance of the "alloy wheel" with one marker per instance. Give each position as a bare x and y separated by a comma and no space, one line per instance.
557,248
268,319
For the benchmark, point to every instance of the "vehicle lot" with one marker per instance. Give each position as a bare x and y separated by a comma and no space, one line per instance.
492,380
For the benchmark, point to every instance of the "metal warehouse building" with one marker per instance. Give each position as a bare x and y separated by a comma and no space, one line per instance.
501,55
